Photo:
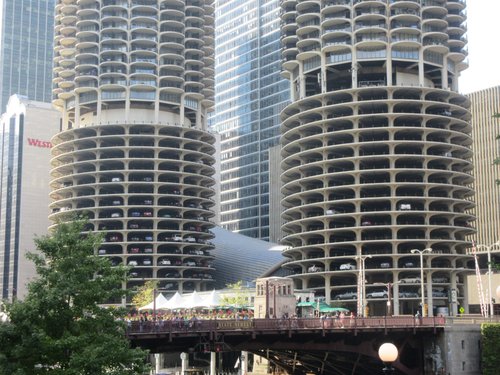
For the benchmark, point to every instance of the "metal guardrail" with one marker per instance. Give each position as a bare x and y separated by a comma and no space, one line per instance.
181,327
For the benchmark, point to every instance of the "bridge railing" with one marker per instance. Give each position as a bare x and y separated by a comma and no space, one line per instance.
300,324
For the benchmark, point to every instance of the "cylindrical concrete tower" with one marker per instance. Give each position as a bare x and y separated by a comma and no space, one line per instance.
134,81
376,151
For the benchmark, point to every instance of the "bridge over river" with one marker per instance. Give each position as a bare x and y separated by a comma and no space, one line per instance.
300,346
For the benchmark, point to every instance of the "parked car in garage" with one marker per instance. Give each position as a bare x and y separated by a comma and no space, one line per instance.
377,294
346,295
410,280
439,293
315,268
408,295
347,266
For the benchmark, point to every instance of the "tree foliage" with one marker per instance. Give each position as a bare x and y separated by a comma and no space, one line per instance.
237,297
490,336
144,294
61,328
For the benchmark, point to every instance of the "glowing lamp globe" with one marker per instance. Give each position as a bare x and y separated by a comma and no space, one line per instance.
388,352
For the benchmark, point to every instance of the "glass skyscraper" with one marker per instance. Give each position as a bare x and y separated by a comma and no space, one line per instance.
26,40
250,94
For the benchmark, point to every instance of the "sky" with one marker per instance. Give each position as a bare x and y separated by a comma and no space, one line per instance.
483,25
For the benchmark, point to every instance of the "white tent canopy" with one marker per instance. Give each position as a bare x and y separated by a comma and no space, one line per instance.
212,300
193,300
160,301
173,302
187,301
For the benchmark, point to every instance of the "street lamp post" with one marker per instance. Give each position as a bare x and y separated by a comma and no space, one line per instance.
490,291
267,300
362,285
421,253
389,286
154,304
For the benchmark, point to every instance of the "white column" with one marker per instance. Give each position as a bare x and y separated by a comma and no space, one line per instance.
395,295
389,66
157,106
323,73
421,79
157,362
184,363
127,105
327,290
430,306
302,82
213,363
444,74
77,110
244,363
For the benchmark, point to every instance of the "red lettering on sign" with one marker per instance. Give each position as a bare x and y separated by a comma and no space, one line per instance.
39,143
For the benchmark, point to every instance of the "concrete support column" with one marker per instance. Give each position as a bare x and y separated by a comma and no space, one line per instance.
244,363
302,82
65,118
127,106
444,75
77,110
395,297
213,363
198,124
157,362
388,71
99,107
428,296
421,79
327,289
293,91
323,73
354,72
184,363
181,110
157,107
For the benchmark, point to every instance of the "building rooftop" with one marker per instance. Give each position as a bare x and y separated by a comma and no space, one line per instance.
238,257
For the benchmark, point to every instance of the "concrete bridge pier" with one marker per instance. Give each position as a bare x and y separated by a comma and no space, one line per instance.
184,362
213,363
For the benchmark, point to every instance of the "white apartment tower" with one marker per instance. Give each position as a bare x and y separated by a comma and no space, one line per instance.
376,147
133,80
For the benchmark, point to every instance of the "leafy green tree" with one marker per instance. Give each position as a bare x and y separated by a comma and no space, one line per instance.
237,297
144,294
490,334
61,327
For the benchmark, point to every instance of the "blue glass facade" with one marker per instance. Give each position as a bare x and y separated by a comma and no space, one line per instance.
249,96
27,33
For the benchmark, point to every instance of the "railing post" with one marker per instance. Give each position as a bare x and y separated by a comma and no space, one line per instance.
170,322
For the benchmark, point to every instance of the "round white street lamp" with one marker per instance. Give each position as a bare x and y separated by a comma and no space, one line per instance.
388,353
